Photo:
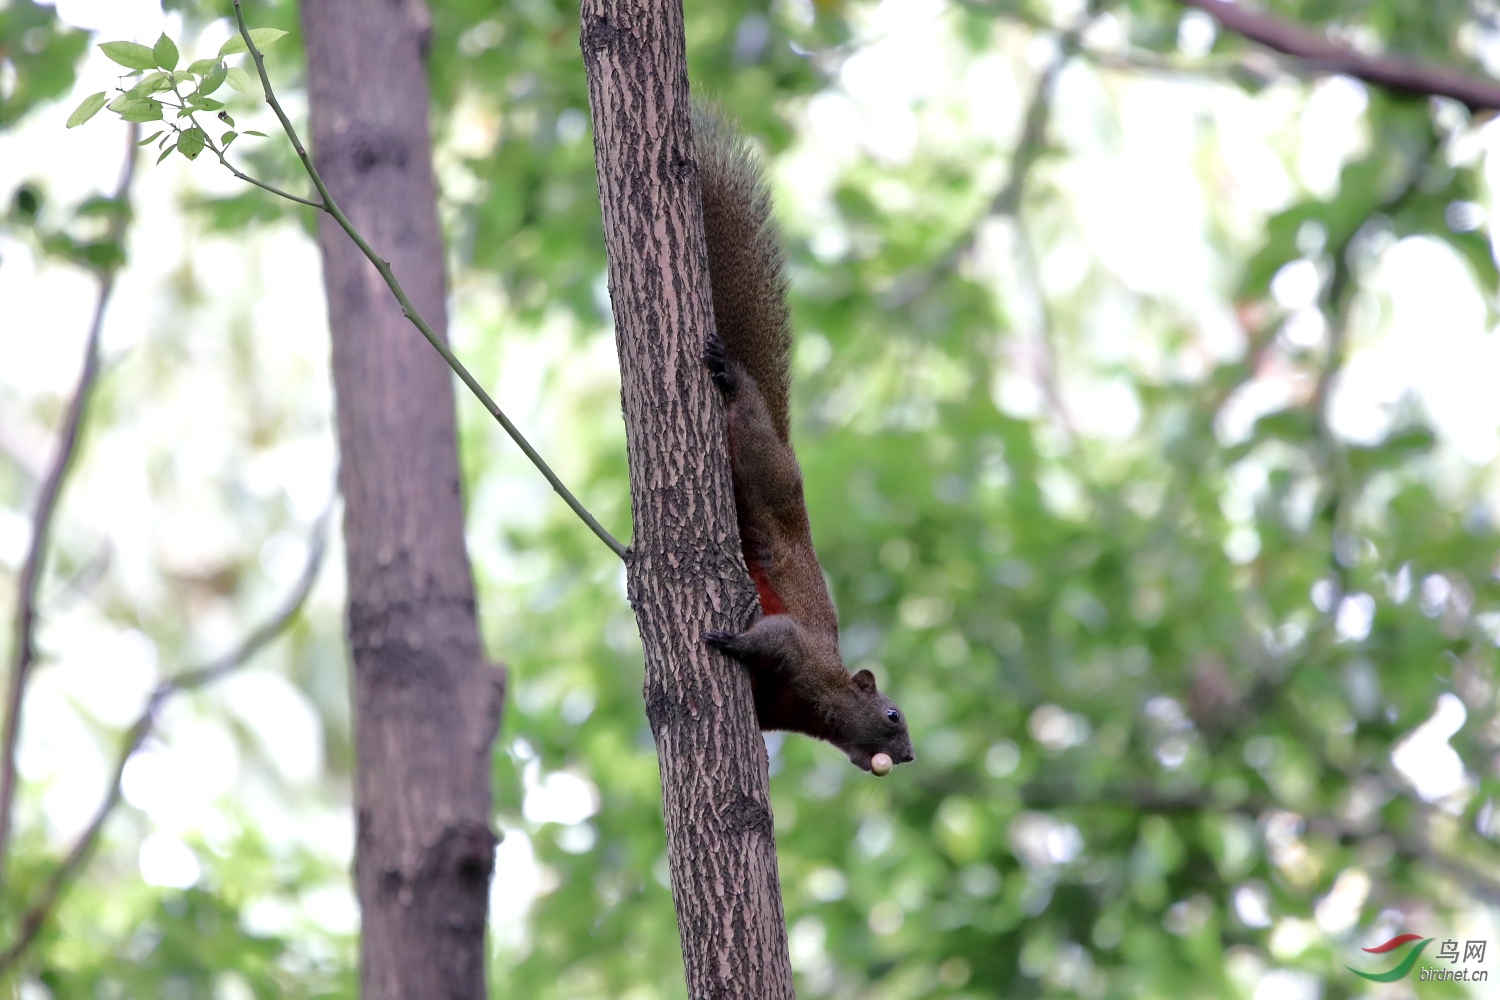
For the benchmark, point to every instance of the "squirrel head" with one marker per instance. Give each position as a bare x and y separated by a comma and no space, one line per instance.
874,726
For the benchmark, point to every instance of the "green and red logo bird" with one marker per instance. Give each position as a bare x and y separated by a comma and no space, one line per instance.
1403,967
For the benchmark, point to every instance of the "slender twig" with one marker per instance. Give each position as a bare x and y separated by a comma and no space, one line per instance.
1029,148
23,656
1480,884
1007,200
1312,54
1337,486
42,908
1046,330
1318,54
1329,453
410,311
264,186
1033,141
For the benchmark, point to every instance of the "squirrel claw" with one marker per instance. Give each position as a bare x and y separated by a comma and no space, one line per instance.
722,641
716,360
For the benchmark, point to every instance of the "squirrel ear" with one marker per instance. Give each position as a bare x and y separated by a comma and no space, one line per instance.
865,681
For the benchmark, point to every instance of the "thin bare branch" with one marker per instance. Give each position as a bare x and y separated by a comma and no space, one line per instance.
23,656
410,311
1007,201
38,913
264,186
1046,331
1474,879
1318,54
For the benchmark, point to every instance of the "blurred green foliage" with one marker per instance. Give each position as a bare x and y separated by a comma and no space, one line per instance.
1154,707
39,54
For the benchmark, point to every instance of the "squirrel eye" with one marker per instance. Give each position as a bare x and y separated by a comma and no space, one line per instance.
893,715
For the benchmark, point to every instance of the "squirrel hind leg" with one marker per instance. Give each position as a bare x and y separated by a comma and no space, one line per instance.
724,642
716,360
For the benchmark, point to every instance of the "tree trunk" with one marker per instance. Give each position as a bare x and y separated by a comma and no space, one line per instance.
686,575
426,704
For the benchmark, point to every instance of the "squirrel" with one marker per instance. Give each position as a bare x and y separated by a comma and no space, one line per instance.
792,651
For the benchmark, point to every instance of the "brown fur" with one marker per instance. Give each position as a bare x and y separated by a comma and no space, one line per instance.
745,260
792,652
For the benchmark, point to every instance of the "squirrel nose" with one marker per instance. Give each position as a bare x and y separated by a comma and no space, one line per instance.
910,756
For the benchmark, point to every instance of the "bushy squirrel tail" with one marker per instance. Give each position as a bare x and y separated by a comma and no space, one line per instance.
745,261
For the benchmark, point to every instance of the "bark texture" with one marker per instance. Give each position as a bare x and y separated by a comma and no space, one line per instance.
426,704
686,575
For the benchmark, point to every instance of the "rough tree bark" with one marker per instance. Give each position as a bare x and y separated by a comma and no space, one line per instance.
685,571
426,704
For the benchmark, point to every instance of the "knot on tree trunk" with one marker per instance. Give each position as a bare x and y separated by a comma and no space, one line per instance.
599,34
464,852
362,147
664,707
750,814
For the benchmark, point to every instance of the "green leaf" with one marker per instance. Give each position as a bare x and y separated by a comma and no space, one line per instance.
165,52
251,131
242,81
1295,426
88,109
133,55
199,67
191,142
166,152
227,138
143,111
262,37
213,78
136,109
1392,453
103,254
207,103
149,139
226,118
152,83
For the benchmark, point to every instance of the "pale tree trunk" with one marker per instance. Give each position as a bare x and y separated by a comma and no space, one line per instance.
426,704
686,575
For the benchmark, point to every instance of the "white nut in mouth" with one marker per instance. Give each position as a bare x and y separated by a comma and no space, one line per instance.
881,764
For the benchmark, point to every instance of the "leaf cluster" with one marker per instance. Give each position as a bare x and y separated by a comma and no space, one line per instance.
158,81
